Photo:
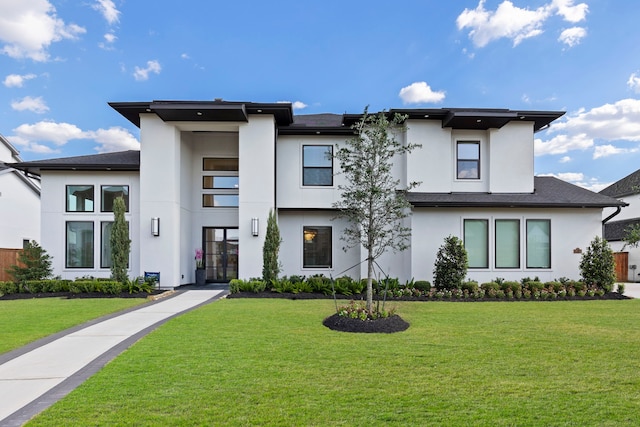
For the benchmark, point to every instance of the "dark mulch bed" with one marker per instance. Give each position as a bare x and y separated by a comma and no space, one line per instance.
70,295
385,325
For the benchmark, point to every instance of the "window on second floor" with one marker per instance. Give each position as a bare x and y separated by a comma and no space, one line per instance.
111,192
80,198
220,182
317,165
468,160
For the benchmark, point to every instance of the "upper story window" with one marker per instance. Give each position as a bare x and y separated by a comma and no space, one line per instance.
468,160
80,198
220,182
108,193
317,165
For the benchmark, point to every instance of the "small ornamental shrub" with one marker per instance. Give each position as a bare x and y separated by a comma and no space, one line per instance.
514,286
34,264
490,286
597,265
422,285
358,310
556,286
343,286
471,286
451,264
320,284
534,285
620,288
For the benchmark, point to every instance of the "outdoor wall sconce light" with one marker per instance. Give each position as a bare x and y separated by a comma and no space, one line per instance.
255,226
155,226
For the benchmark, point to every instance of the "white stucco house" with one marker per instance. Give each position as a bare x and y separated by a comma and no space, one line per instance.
626,190
19,201
208,173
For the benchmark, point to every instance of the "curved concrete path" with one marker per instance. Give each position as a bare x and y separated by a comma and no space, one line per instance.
34,377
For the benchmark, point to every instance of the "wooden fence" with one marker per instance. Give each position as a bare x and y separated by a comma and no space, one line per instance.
8,257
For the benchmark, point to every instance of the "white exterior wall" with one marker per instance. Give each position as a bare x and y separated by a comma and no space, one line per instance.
511,158
54,218
257,172
291,224
433,164
160,185
19,211
570,229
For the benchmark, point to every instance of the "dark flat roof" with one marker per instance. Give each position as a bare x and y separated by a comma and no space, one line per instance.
627,186
549,192
204,111
116,161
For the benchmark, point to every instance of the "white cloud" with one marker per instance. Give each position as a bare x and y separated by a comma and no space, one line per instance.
17,80
572,36
35,105
515,23
298,105
607,150
108,10
40,137
578,178
565,159
109,40
420,92
634,82
561,144
141,74
28,27
185,56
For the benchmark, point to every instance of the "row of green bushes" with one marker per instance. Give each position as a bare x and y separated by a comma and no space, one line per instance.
527,288
78,286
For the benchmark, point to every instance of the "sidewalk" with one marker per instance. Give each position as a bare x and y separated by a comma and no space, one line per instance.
632,290
36,376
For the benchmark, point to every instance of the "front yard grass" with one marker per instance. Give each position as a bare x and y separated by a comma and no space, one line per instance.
271,362
26,320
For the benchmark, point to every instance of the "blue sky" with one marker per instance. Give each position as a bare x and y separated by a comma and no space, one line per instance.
61,61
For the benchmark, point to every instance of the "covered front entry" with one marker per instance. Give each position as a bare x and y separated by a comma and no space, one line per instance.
220,253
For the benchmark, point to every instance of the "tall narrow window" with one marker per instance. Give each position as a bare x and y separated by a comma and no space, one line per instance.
507,243
476,242
105,244
80,198
220,182
79,242
468,160
109,193
538,243
317,165
316,247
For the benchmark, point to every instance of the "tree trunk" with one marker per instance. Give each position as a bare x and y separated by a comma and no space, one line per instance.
369,283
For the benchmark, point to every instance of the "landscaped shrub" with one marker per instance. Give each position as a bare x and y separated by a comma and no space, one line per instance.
321,284
252,285
471,286
511,285
451,264
490,286
620,288
597,265
7,288
357,286
342,285
554,285
422,285
534,285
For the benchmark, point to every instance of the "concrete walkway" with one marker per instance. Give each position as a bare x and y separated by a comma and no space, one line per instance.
632,290
34,377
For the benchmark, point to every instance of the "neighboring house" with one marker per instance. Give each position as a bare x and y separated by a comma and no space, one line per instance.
19,201
628,258
209,172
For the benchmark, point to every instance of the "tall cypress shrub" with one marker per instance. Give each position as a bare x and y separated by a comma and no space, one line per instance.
120,242
270,250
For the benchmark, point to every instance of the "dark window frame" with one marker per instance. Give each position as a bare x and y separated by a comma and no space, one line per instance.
66,245
102,198
304,167
66,197
306,263
102,242
459,160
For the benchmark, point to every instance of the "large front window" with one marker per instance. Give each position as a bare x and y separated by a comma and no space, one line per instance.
476,242
538,243
80,198
468,160
316,247
105,244
79,242
507,243
317,161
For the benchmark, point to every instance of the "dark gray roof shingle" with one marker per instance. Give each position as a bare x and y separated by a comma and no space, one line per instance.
627,186
119,160
614,231
549,192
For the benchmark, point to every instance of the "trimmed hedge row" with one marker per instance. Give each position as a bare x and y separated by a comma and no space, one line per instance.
78,286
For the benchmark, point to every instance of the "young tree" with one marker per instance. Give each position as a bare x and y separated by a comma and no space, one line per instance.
631,236
120,242
451,264
36,264
270,250
598,265
372,200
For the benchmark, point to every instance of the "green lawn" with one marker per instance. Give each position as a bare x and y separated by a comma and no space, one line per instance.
271,362
24,321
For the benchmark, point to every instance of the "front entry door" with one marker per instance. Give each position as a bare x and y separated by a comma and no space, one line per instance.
220,253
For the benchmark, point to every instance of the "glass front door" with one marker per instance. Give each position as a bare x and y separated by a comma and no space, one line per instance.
220,253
